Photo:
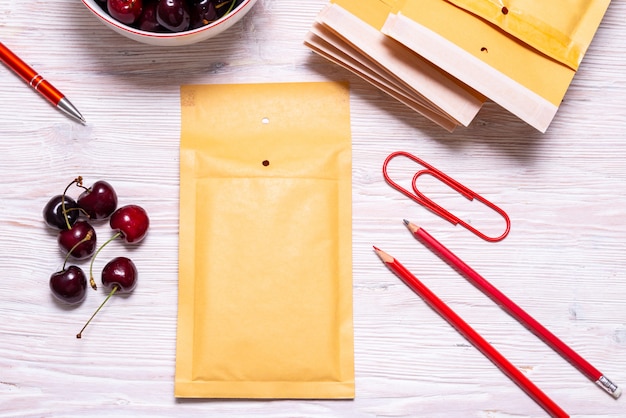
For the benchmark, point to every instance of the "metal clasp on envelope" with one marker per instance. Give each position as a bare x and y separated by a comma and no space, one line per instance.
420,198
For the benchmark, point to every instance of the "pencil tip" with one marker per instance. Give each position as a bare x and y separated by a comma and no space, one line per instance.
376,248
386,258
411,226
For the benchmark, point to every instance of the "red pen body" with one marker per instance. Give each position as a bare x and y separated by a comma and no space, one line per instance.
38,83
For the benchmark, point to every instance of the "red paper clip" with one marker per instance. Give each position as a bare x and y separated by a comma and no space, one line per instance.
420,198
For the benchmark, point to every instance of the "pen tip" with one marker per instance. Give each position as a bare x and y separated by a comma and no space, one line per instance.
68,108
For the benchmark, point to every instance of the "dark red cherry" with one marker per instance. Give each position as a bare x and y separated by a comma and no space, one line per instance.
78,241
173,15
148,20
202,12
131,222
119,275
53,212
126,11
99,201
69,285
120,272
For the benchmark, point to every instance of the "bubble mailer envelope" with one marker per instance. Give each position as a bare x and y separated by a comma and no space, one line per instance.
265,254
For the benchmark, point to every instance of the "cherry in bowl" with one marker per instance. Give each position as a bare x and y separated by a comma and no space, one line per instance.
149,31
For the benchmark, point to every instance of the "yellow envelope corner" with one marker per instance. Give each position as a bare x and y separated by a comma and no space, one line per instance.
561,29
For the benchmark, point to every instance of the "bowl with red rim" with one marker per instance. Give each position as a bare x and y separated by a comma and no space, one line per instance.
152,28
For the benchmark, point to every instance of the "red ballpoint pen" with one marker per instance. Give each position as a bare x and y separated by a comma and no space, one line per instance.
38,83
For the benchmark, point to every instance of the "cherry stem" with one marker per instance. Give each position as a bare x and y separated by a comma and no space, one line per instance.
79,181
92,282
81,210
230,8
69,253
111,293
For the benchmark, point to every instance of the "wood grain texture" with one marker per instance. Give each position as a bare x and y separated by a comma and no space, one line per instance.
563,260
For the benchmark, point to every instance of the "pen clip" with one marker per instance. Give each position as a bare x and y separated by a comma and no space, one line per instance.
425,201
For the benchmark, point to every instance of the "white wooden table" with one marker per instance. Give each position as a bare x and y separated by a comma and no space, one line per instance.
564,260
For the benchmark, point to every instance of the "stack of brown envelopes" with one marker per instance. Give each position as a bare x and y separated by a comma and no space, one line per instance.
445,58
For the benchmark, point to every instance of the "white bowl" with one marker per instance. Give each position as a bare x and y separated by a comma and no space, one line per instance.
172,39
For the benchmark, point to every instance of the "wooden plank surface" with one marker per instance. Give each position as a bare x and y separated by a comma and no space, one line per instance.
563,261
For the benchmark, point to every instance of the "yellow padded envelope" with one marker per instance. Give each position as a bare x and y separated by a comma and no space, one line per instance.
561,29
446,100
482,50
265,277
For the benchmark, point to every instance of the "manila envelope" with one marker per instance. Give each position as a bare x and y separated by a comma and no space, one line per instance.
494,54
561,29
265,254
359,22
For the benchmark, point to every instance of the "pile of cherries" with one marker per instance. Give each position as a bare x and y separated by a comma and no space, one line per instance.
77,240
167,15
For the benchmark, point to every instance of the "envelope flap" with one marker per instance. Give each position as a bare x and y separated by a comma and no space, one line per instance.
372,12
561,29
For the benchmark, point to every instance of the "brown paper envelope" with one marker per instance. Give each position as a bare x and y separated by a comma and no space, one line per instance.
561,29
265,279
324,42
359,23
485,54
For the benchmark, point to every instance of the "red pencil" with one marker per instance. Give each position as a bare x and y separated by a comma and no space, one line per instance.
472,336
515,311
38,83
